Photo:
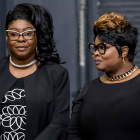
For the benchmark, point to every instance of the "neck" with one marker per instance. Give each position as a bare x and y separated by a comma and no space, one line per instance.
22,65
22,60
122,70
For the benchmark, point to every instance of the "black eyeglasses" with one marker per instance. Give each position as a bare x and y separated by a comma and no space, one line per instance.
101,47
14,35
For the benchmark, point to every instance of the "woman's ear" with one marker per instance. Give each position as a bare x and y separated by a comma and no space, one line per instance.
125,51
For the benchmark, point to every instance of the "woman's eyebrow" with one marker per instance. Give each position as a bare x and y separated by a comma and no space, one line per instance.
13,29
28,28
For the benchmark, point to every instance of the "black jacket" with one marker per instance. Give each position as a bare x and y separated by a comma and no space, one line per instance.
47,100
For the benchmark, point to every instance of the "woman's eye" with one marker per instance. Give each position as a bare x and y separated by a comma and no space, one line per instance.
107,47
28,34
13,34
101,47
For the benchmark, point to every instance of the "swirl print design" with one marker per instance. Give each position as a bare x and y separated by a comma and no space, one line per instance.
14,94
13,117
13,136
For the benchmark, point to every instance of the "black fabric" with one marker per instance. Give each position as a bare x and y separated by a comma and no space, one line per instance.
47,99
13,112
106,111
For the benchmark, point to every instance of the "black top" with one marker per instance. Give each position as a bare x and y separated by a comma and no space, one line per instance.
47,100
13,113
107,111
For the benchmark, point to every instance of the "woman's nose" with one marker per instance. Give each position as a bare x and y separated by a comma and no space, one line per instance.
21,38
96,52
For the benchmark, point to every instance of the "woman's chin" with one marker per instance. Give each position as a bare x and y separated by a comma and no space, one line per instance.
101,69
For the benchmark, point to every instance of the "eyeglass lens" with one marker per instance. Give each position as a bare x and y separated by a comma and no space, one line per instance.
100,47
27,35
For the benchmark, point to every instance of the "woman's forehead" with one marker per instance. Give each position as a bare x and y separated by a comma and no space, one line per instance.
97,41
20,24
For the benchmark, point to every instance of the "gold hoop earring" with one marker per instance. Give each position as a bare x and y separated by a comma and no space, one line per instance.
123,61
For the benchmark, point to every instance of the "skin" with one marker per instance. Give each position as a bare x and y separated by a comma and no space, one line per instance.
111,63
22,51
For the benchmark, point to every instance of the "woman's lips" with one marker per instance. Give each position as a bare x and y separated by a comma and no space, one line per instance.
21,48
97,61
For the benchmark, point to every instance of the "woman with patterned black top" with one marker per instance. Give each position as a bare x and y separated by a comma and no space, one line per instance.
108,108
34,88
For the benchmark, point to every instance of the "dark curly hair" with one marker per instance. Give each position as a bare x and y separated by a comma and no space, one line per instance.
114,28
41,19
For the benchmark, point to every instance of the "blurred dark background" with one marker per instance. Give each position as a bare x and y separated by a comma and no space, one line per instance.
73,29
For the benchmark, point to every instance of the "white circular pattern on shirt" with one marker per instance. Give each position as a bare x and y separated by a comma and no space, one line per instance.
13,136
14,116
13,95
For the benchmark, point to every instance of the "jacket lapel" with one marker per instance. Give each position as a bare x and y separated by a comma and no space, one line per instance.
6,78
36,96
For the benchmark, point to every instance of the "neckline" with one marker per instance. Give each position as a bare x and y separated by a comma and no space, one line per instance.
21,66
20,77
118,83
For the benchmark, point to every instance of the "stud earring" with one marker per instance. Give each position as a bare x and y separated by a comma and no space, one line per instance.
123,61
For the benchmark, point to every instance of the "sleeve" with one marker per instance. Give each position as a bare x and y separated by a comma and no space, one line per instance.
73,128
57,129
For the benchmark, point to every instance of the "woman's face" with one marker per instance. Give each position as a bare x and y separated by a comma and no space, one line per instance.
110,61
22,48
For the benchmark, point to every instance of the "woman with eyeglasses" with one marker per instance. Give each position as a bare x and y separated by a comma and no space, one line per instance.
34,88
108,108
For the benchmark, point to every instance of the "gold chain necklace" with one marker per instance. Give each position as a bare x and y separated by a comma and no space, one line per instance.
121,77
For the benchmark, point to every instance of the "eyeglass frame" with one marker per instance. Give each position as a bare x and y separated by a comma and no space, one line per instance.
21,34
97,48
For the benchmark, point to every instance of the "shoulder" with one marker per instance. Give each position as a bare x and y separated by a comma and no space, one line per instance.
88,87
55,68
55,71
3,61
92,82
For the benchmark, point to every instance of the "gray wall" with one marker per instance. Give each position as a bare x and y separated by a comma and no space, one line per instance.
2,28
